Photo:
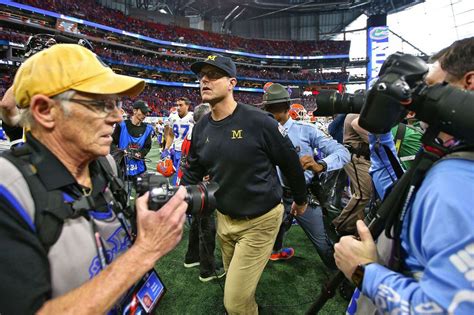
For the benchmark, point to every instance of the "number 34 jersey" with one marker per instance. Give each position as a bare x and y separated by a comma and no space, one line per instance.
180,127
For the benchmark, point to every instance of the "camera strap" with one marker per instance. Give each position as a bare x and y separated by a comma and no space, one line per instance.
51,210
399,136
391,214
397,168
54,207
117,197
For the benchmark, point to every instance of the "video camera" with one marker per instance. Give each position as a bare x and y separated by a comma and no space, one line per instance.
399,89
200,198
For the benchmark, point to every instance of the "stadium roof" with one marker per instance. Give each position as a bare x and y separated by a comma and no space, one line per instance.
255,8
230,11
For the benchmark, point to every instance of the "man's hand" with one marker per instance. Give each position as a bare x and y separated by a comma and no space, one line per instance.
8,111
160,231
308,163
166,153
298,209
350,252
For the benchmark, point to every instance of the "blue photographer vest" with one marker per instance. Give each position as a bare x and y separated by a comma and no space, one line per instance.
73,257
126,141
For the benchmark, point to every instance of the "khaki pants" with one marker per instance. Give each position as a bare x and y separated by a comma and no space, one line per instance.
246,247
361,187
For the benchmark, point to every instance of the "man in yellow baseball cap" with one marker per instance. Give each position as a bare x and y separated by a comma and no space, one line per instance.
66,244
70,67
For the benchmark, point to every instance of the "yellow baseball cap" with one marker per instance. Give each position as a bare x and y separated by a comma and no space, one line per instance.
65,67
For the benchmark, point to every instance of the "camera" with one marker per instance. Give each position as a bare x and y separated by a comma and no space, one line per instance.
330,102
401,88
39,42
200,198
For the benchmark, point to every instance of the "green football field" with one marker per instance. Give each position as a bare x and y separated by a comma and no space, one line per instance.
286,287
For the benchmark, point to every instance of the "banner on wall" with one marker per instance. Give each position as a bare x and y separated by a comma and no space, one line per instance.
377,52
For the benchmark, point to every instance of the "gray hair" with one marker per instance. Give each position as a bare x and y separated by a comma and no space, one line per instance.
27,119
200,111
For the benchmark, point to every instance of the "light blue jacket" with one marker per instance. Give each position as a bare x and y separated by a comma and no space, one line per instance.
307,137
437,240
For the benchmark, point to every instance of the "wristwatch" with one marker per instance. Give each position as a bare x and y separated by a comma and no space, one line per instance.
358,275
323,164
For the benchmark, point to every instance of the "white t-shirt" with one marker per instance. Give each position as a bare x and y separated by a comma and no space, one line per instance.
180,127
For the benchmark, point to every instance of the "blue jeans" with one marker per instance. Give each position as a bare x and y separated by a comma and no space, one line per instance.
312,224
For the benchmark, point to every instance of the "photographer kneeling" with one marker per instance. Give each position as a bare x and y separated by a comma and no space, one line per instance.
65,243
431,259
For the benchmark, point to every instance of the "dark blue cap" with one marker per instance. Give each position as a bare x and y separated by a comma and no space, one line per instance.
224,63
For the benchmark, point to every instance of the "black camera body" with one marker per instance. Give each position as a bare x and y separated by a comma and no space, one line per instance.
399,89
39,42
200,198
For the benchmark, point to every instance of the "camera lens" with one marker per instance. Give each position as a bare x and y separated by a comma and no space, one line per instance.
331,102
201,197
141,185
325,102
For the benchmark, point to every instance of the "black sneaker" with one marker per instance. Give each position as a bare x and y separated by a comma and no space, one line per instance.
219,273
191,264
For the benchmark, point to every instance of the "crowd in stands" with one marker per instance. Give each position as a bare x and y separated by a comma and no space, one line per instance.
155,61
13,36
301,75
247,72
91,10
179,65
6,79
159,98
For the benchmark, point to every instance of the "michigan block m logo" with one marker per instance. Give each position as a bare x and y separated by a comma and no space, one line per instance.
237,134
211,57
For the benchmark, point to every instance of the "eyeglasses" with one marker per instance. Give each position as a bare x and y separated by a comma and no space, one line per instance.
106,106
211,75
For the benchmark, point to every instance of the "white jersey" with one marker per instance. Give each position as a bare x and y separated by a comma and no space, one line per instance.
180,127
160,128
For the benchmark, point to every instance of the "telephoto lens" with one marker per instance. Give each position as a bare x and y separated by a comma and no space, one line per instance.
200,198
331,102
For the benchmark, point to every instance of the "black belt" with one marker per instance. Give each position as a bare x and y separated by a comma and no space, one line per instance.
361,151
362,156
